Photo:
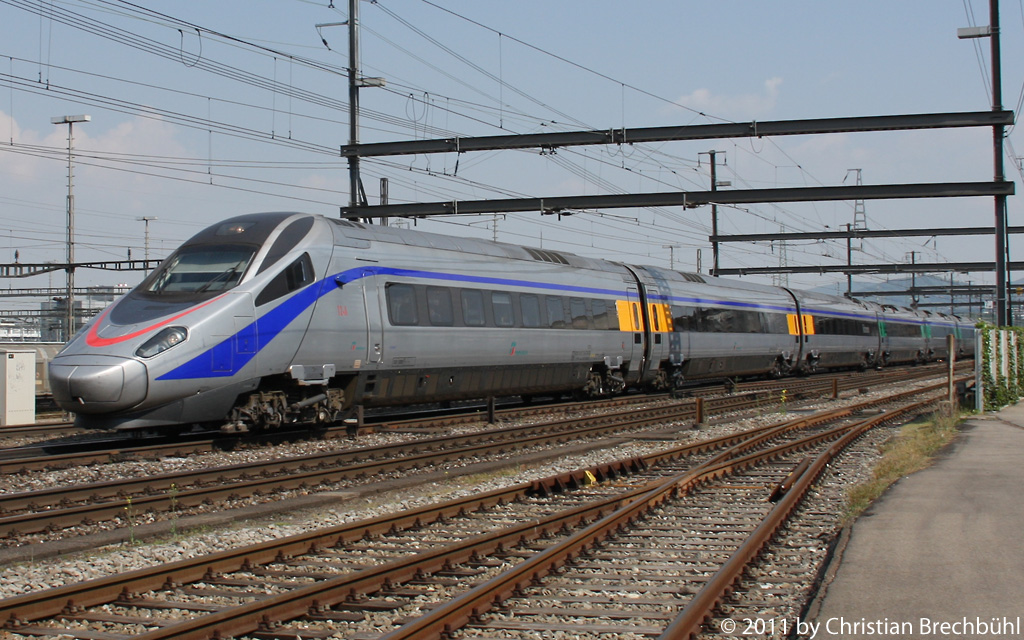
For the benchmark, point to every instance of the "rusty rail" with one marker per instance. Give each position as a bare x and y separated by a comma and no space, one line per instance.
442,621
703,604
16,612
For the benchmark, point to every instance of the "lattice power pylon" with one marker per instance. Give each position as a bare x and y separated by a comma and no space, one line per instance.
860,218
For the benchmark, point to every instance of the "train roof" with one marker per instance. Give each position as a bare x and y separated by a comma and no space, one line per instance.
376,233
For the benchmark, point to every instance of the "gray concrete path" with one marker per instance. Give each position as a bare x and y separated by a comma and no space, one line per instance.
943,546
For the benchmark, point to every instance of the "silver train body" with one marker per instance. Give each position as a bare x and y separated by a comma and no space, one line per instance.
275,318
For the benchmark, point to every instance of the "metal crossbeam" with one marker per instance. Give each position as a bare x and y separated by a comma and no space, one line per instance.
51,292
864,233
938,290
684,132
920,267
39,313
569,204
25,270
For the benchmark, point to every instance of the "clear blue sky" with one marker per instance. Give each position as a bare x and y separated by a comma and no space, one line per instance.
203,110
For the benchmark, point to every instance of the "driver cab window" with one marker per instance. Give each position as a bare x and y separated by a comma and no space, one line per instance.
200,269
295,276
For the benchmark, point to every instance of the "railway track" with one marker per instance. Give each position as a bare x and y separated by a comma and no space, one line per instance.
104,448
172,495
59,507
620,548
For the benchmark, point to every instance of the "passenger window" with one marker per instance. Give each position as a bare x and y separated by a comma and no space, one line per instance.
401,304
600,308
556,312
295,276
774,323
473,308
501,306
439,307
578,311
530,307
718,321
752,322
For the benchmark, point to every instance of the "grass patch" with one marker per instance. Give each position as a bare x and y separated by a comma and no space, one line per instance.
910,450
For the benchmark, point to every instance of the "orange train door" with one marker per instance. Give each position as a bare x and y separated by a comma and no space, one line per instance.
640,322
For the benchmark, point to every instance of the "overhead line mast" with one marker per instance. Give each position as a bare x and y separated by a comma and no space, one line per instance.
356,196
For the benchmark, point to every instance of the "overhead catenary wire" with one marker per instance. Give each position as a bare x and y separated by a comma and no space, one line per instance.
596,170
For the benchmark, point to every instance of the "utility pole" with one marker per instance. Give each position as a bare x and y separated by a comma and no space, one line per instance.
1002,246
146,220
1003,314
970,300
952,298
1002,301
849,260
69,297
714,211
860,217
782,279
913,281
671,255
357,196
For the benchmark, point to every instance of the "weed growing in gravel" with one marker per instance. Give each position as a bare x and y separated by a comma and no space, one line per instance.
910,450
174,510
130,516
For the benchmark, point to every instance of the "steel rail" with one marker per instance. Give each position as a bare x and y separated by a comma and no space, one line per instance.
190,489
21,609
19,460
688,623
162,492
17,611
441,621
39,429
320,596
66,506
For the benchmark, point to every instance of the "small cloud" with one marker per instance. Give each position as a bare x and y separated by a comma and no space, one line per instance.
744,107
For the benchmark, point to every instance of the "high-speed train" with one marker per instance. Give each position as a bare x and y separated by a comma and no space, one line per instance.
274,318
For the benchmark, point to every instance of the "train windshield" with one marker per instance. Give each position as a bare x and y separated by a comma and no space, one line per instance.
200,269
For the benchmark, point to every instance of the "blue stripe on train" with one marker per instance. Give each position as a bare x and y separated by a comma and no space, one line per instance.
229,356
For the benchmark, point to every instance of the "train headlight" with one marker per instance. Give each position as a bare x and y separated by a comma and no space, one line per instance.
162,341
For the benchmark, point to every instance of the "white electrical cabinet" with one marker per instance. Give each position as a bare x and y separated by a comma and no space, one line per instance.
18,388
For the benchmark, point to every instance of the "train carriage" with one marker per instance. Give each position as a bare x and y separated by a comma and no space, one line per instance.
838,332
719,328
904,335
939,327
965,340
444,318
274,318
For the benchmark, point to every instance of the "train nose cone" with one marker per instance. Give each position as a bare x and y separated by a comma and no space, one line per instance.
97,384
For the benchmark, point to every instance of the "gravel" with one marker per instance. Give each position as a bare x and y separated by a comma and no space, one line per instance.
36,574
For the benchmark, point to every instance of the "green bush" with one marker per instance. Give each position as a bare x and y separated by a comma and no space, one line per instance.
1001,390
